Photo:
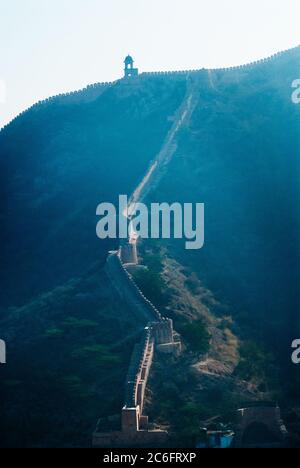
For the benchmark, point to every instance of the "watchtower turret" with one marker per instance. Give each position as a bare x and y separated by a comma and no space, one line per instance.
129,69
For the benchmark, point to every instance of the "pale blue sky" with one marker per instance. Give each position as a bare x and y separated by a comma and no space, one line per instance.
53,46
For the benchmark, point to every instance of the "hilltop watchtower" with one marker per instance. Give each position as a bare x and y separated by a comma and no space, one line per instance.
129,69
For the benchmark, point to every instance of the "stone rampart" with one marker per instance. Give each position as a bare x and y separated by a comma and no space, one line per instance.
100,87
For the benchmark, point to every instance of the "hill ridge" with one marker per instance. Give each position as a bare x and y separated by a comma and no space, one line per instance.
95,89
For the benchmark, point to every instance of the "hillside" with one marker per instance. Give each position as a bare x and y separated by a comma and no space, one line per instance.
234,302
58,161
240,156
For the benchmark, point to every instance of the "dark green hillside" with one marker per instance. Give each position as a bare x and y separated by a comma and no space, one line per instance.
61,159
68,353
69,336
240,155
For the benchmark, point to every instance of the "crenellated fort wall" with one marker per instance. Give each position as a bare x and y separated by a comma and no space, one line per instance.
159,335
86,94
92,91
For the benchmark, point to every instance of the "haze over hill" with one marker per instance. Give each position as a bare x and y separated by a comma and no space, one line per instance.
239,154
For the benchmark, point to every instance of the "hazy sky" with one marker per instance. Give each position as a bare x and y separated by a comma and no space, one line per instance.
53,46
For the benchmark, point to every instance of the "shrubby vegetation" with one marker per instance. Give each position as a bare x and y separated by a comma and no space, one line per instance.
257,364
63,367
196,335
153,286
